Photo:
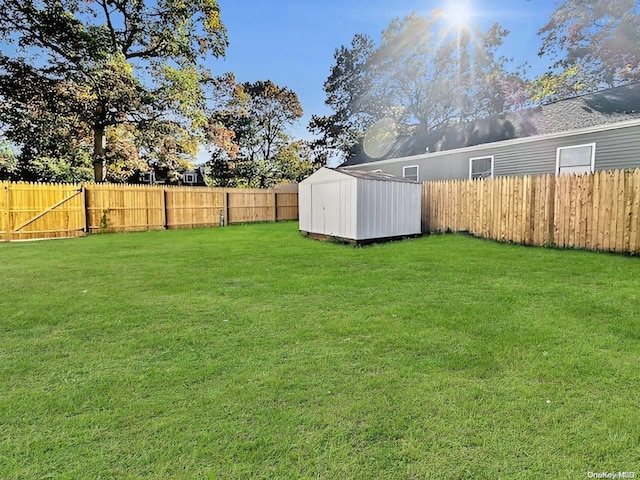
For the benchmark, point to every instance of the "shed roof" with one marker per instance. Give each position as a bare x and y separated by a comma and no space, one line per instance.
600,108
379,176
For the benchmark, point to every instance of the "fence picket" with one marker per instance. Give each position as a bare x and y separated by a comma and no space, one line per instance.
634,240
41,210
620,211
599,211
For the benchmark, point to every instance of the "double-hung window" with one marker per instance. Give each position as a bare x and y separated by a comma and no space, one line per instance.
480,167
410,172
576,159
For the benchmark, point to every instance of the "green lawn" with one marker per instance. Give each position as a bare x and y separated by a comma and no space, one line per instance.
252,352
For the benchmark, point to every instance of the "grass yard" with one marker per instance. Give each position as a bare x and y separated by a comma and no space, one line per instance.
252,352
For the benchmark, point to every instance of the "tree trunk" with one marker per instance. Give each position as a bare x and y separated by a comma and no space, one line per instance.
99,143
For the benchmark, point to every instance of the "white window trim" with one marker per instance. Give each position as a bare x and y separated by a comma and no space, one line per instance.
404,169
480,158
593,155
148,177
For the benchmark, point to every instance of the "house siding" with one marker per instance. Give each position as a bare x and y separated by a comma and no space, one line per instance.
615,149
619,150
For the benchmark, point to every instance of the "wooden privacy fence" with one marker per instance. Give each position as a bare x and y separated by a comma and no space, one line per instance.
41,211
36,210
599,211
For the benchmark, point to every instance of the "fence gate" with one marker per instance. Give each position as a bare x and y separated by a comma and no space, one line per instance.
31,211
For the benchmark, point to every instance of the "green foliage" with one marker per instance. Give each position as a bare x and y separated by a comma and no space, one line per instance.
249,131
423,75
42,117
95,65
122,154
168,147
221,171
350,94
252,352
293,162
59,170
8,162
104,222
598,41
551,86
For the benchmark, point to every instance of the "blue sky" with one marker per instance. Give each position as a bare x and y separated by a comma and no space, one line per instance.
292,42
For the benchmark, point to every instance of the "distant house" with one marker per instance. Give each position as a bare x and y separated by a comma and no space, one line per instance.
192,178
147,177
195,177
599,131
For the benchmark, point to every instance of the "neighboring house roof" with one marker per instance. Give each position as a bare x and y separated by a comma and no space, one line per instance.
601,108
379,176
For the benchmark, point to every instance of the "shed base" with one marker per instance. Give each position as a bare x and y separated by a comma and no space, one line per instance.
351,241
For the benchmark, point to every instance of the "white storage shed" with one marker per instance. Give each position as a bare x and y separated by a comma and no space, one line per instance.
359,206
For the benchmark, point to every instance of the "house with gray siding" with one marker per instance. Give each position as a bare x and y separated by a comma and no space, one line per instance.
598,131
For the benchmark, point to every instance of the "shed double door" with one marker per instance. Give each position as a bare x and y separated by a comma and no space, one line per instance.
325,208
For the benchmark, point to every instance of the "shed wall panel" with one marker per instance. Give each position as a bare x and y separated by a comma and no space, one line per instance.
336,204
388,209
328,208
304,207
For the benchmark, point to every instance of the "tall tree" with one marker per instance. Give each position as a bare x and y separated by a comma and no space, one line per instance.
249,130
124,61
294,162
552,86
350,94
122,154
423,74
598,41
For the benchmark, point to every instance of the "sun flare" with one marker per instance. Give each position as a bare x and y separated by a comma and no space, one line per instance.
458,13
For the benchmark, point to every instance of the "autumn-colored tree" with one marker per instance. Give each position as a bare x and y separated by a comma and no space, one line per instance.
122,154
40,118
248,132
551,86
103,63
594,43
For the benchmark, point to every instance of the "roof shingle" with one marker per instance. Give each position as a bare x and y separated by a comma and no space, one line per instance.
601,108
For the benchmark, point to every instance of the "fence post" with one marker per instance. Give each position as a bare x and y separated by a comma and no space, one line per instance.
275,205
531,220
86,209
227,220
9,216
551,196
165,214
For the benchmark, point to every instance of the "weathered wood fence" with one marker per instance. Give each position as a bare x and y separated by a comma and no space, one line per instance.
36,210
599,211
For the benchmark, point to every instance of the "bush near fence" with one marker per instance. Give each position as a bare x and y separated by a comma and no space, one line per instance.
36,210
598,211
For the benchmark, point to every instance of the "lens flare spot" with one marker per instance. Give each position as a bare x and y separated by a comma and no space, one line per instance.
380,138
